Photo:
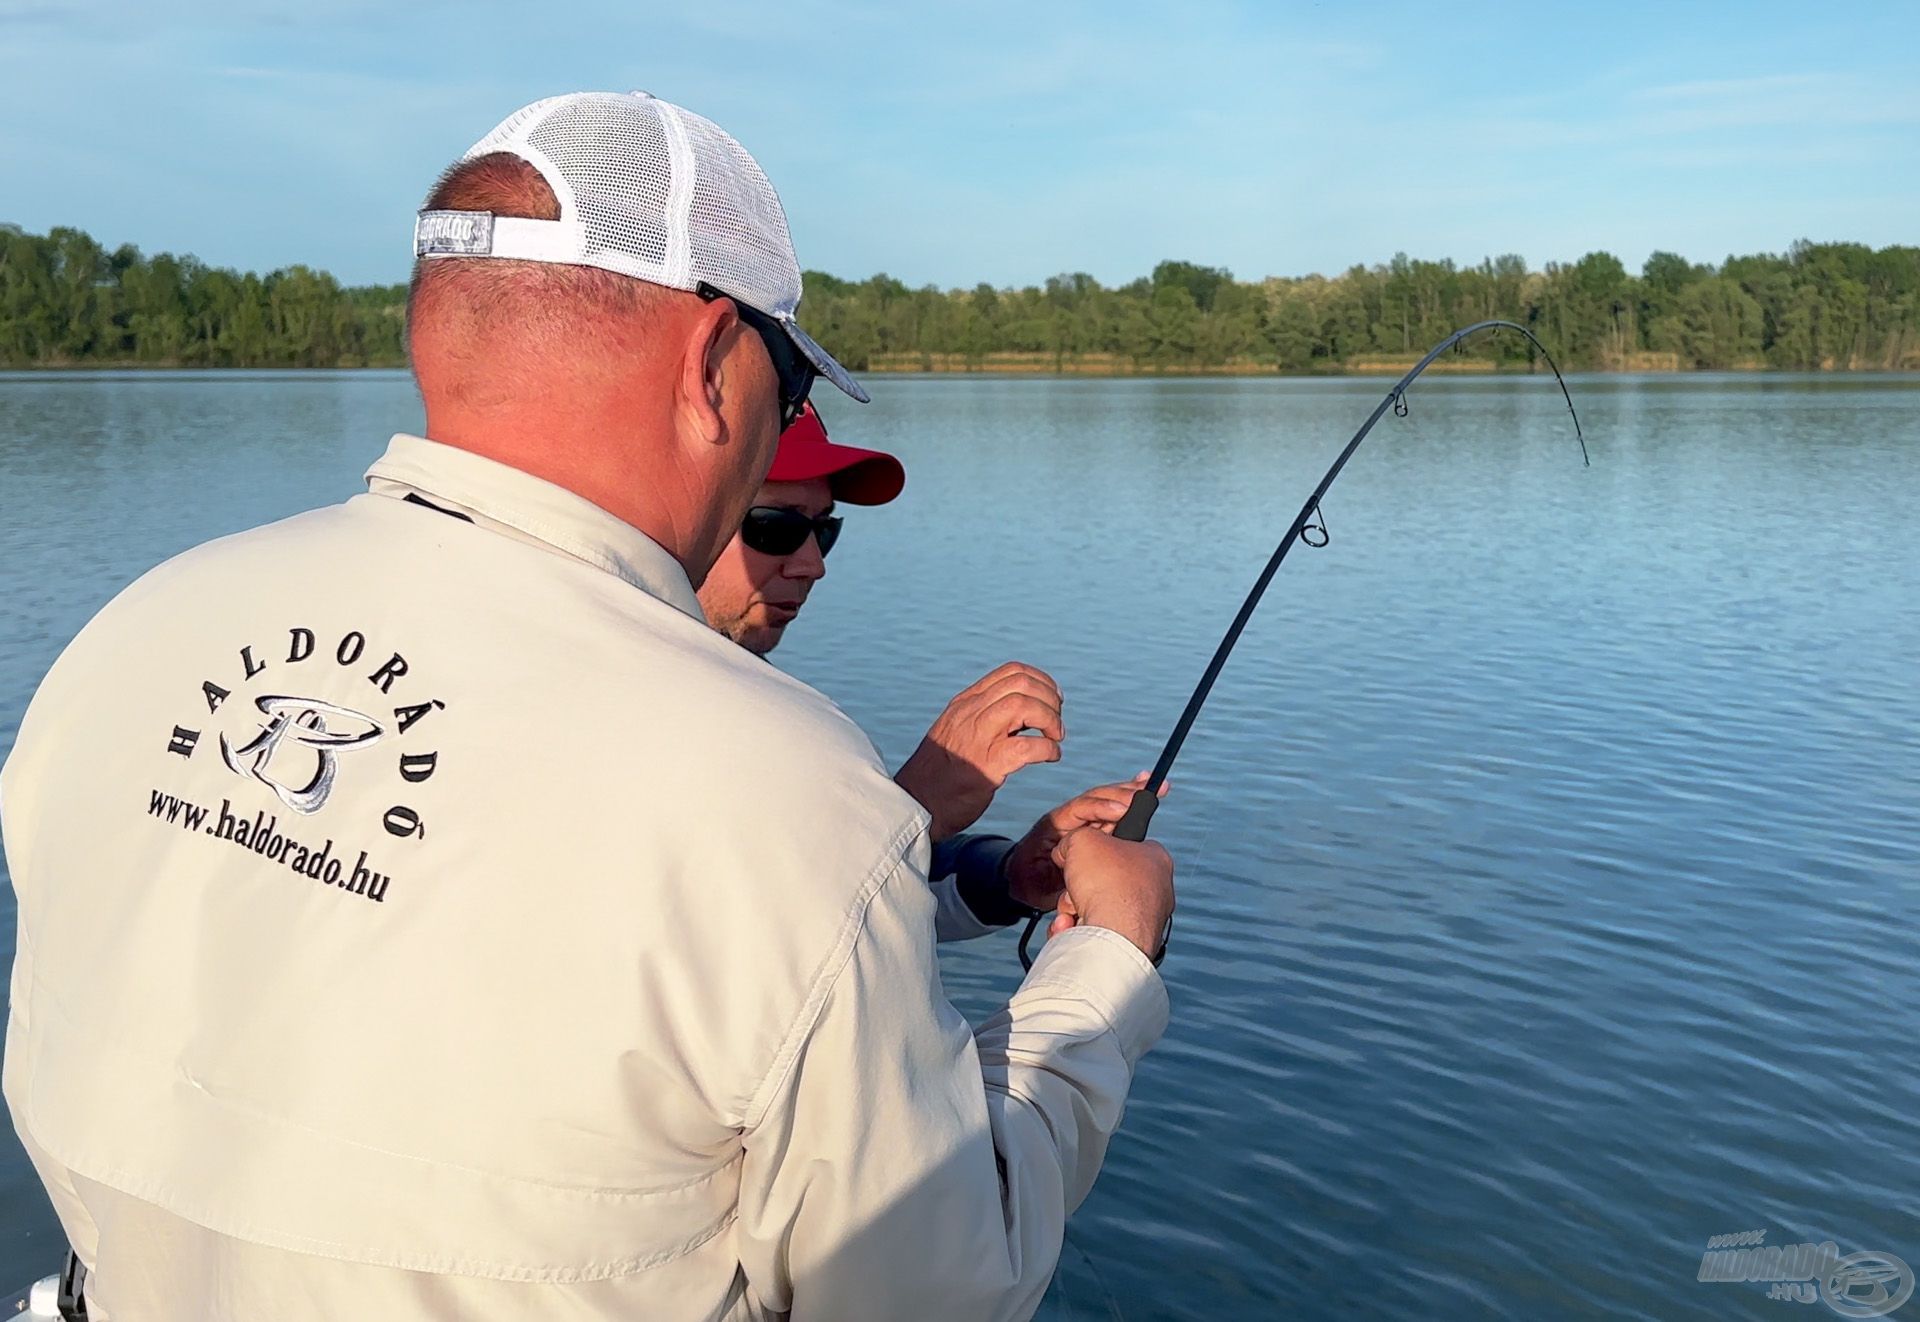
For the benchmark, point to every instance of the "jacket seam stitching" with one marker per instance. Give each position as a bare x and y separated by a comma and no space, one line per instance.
258,1115
836,960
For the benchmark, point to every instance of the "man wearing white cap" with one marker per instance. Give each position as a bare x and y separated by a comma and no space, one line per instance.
424,914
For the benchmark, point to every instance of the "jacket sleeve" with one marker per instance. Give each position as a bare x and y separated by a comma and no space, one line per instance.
970,887
903,1166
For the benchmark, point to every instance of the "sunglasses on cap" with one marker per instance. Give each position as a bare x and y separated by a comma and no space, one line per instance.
795,373
773,530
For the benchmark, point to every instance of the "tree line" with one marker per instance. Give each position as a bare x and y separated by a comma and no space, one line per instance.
67,300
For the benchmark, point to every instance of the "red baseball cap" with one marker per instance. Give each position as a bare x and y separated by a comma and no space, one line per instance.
859,477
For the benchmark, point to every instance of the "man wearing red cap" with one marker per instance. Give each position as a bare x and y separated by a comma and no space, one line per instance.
1007,720
761,580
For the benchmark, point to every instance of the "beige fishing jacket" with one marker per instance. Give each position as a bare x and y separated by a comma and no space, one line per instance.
424,914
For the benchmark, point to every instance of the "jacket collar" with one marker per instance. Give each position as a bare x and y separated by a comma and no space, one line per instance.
531,509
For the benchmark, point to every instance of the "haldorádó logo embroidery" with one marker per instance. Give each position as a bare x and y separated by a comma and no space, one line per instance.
296,745
304,721
317,730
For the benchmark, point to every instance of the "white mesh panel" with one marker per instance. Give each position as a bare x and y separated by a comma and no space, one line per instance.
617,165
740,240
507,131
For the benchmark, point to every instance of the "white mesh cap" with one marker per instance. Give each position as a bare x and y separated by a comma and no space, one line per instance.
646,189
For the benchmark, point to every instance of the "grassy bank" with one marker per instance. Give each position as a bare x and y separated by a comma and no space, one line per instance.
1047,365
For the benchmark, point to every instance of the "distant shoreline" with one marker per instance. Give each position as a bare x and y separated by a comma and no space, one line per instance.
1045,365
994,366
69,300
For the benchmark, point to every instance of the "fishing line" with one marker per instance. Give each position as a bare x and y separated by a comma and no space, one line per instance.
1133,826
1114,1310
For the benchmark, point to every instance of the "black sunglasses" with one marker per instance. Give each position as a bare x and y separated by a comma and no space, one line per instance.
795,373
774,530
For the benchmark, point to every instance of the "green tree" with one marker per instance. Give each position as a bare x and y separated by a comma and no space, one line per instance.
82,316
154,297
1173,326
1716,324
1201,283
1293,335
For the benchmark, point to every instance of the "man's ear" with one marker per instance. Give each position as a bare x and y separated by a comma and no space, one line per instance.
703,371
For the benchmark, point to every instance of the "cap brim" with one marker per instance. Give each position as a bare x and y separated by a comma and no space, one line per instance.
874,480
858,477
823,361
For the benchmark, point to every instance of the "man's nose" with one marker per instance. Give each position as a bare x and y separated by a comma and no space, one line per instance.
807,562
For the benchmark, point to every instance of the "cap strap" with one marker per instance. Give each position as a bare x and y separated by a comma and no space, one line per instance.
483,234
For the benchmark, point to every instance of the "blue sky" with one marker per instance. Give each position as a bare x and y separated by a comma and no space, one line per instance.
999,142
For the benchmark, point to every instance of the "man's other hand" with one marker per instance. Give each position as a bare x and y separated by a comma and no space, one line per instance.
1117,884
1033,878
978,742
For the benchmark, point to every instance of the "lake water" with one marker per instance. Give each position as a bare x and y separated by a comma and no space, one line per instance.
1549,853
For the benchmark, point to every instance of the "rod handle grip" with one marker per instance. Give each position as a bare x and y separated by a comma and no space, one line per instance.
1133,826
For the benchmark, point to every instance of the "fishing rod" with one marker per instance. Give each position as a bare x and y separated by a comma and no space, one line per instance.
1133,825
